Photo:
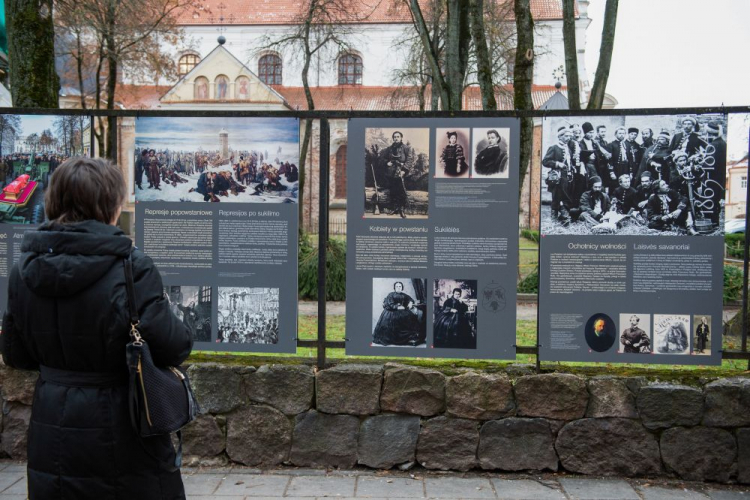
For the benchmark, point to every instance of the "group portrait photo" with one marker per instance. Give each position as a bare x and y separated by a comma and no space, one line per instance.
245,160
634,175
397,170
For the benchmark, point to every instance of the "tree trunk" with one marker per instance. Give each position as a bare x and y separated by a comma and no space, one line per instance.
605,55
112,66
523,76
305,146
31,51
484,64
571,54
439,84
456,52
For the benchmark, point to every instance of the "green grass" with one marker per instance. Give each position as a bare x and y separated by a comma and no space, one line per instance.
528,257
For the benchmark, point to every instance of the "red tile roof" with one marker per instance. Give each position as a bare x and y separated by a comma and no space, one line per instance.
345,97
246,12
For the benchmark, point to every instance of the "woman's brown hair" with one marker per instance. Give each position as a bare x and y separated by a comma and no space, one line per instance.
84,188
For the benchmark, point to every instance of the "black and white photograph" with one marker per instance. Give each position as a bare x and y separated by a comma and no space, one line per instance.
399,311
192,304
635,333
209,159
31,148
397,171
490,151
455,306
701,335
452,150
600,332
248,315
671,334
634,175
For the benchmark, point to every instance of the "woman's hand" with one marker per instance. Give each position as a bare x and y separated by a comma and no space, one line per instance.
400,308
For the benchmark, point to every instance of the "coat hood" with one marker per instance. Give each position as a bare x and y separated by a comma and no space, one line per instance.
62,259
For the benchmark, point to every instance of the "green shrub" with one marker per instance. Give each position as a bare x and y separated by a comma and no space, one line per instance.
530,234
732,283
530,284
335,269
735,245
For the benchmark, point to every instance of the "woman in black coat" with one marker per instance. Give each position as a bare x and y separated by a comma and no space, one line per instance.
67,316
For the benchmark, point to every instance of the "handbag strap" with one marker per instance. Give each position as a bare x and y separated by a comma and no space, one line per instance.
130,286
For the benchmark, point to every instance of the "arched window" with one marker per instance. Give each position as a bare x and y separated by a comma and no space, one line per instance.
187,63
200,88
269,69
350,70
221,91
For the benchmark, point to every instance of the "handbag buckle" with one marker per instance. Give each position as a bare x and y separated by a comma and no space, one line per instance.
137,340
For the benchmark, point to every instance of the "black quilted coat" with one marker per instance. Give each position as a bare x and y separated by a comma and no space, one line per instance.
67,310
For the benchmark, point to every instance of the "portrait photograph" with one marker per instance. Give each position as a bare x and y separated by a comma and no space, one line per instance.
490,152
600,332
671,334
212,159
455,314
399,312
635,333
701,335
248,315
653,175
397,171
192,305
452,153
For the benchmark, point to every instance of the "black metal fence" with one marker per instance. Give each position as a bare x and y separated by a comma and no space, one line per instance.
325,228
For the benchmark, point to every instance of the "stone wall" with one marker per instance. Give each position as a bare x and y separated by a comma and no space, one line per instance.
397,416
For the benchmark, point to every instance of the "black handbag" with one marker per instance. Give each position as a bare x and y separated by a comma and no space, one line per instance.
160,400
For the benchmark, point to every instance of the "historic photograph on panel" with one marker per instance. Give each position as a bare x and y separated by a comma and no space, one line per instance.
635,333
490,151
192,304
399,312
247,160
32,148
248,315
397,171
671,334
455,306
600,332
452,150
634,175
702,335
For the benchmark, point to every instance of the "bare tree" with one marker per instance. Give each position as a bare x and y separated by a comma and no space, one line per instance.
483,61
31,53
324,27
523,76
109,37
571,54
605,55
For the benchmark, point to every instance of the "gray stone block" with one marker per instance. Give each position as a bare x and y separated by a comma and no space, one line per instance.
728,403
480,396
322,440
387,440
389,487
665,405
258,435
14,438
597,489
458,487
288,388
517,444
610,397
743,455
203,437
217,387
18,385
699,453
349,389
448,444
608,446
526,489
413,390
558,396
321,486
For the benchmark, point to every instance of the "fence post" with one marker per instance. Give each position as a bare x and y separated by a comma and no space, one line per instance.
323,179
744,273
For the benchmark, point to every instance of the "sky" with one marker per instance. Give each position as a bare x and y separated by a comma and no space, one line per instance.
678,53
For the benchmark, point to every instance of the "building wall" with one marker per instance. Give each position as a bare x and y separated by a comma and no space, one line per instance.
736,194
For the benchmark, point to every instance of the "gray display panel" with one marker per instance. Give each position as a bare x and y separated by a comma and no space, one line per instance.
222,225
432,237
631,253
33,145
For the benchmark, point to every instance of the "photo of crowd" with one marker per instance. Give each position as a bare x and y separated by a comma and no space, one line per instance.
216,159
248,315
397,169
646,175
192,305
